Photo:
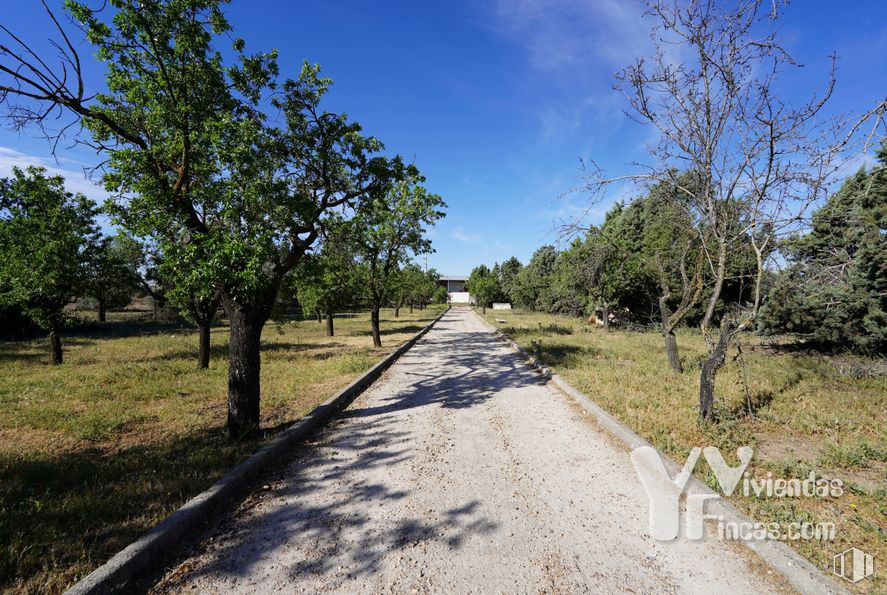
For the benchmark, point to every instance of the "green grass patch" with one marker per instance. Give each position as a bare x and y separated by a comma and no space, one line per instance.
801,411
95,452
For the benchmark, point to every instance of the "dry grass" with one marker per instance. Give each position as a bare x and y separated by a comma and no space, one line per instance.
96,451
800,411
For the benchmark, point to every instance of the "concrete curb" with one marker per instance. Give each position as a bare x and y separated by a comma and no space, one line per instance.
147,550
796,569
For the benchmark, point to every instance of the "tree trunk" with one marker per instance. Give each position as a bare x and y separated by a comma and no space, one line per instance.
374,320
397,308
101,314
411,307
55,341
329,324
605,311
243,370
671,350
319,315
709,371
483,309
203,354
671,343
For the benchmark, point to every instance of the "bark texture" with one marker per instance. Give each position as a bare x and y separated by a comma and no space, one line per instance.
55,342
204,349
244,370
374,321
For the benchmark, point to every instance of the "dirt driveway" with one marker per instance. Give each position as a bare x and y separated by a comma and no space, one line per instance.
458,471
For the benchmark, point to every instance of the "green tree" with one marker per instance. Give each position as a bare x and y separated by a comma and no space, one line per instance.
190,148
330,280
413,287
672,252
440,295
613,269
508,272
569,292
531,287
46,235
425,290
834,290
110,279
483,285
194,289
389,227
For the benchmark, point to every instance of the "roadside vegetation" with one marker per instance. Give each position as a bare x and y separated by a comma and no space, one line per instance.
234,193
735,293
800,410
96,452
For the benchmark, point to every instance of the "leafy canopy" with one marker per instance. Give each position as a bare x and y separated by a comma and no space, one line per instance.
46,235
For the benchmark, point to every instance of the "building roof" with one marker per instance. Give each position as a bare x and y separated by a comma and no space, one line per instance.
452,278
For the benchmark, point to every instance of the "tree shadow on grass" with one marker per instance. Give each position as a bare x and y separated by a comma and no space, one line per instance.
130,328
65,514
16,351
561,355
756,400
38,350
219,351
411,330
552,328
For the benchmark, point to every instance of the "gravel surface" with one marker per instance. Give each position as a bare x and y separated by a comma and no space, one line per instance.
458,471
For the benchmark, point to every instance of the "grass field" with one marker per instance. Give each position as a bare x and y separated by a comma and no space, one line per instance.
98,450
799,411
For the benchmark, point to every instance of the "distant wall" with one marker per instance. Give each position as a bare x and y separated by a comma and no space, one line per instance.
498,306
459,297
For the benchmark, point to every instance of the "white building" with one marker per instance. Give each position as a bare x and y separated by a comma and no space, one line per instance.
455,285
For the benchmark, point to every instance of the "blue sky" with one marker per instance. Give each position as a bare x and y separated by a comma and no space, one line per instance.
496,101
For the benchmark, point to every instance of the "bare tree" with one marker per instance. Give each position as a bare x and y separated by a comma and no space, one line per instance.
709,89
691,289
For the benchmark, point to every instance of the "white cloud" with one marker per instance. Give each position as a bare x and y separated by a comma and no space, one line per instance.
568,33
576,46
466,238
75,179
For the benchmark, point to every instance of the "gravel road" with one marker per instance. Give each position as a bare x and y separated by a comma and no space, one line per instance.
458,471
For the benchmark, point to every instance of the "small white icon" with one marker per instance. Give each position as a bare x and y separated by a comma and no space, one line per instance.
853,565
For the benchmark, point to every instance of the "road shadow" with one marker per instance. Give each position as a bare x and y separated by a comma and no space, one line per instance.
476,367
320,516
335,530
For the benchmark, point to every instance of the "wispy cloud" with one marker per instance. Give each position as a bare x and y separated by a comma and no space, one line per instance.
575,47
568,33
75,179
466,238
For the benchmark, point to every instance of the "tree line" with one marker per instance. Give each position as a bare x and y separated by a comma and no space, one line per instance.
728,183
53,252
232,176
643,267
